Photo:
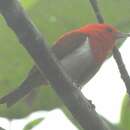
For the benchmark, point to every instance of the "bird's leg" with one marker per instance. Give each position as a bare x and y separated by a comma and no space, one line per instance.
89,102
91,105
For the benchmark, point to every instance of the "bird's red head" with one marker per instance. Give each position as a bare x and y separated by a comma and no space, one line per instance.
102,39
98,30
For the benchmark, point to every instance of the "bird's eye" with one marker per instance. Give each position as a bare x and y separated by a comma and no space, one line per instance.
109,30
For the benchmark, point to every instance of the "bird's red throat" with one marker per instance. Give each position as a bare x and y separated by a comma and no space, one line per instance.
101,47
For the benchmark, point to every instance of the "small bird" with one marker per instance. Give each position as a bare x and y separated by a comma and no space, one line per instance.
81,52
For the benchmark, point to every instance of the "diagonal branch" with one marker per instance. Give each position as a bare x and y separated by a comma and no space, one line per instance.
122,69
97,11
32,40
116,54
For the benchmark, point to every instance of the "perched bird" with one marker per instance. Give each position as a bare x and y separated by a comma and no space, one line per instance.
81,52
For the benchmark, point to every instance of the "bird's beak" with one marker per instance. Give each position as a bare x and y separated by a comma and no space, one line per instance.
122,35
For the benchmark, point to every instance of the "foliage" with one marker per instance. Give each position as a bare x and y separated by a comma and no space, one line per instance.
33,123
125,114
53,18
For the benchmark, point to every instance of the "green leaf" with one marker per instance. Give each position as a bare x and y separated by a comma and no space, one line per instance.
28,3
33,123
125,114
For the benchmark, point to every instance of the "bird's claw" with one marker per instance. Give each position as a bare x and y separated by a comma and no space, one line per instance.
90,104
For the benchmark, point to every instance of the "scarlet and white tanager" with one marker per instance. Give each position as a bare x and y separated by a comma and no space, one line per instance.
81,52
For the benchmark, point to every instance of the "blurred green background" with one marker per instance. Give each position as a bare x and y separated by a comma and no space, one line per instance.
53,18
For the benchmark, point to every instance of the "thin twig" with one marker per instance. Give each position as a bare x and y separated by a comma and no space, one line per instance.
116,54
97,11
47,63
122,69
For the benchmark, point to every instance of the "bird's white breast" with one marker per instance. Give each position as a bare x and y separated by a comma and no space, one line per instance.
80,57
80,64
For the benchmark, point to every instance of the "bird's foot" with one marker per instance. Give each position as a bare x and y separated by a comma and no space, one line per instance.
90,104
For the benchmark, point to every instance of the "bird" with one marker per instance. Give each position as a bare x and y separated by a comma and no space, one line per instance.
81,52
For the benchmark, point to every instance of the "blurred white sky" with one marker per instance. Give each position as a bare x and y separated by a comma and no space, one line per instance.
106,90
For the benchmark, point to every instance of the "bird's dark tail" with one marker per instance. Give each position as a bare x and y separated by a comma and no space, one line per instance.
33,80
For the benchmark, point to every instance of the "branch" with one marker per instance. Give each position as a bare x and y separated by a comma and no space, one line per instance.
96,10
116,54
31,39
122,69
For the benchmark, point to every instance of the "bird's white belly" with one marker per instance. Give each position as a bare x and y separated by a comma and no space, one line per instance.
80,64
77,59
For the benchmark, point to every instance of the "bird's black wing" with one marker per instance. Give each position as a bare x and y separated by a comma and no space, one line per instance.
64,46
